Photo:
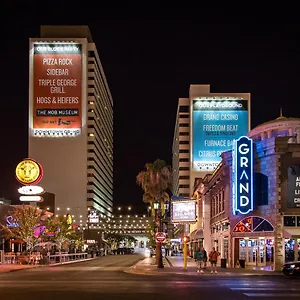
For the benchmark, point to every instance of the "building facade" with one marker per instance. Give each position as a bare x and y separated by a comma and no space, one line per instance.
268,234
71,121
206,124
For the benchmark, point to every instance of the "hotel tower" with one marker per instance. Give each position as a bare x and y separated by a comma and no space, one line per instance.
71,122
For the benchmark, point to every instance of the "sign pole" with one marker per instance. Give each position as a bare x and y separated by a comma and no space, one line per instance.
184,254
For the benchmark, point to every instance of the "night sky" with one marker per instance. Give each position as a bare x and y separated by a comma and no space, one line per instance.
149,64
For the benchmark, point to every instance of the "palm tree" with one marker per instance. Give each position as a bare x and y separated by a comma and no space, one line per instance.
156,182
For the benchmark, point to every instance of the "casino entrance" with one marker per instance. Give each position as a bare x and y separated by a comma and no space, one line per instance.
253,240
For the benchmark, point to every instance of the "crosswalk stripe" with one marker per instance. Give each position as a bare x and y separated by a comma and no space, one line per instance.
264,289
283,295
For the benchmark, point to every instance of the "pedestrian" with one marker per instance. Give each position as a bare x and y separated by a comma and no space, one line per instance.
199,260
213,258
204,258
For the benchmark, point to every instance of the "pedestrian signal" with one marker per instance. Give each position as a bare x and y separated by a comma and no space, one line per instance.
186,239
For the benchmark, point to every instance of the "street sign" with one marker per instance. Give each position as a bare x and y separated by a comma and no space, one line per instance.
160,237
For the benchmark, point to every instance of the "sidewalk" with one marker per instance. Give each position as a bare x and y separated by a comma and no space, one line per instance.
6,268
174,265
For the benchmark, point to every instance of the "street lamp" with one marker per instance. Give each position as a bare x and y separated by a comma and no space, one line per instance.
158,218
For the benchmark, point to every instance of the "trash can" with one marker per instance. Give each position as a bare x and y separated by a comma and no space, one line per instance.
242,263
223,263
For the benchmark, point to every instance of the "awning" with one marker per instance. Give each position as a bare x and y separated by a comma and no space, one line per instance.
289,233
196,234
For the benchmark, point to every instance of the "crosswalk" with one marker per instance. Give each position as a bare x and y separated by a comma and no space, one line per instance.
283,289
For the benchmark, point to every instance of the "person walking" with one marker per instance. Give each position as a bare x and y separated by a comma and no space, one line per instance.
204,258
199,260
213,258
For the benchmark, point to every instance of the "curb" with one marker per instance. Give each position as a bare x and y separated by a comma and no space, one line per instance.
155,273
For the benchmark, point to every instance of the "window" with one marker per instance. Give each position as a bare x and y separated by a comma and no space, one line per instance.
184,133
184,186
184,168
184,177
184,125
184,151
184,142
184,160
184,108
260,189
253,224
184,116
289,221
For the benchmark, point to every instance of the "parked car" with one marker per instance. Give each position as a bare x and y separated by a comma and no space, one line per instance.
291,269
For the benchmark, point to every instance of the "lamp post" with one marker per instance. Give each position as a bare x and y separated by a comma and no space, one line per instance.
158,222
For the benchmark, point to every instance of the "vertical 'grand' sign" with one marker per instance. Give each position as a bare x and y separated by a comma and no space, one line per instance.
242,175
57,81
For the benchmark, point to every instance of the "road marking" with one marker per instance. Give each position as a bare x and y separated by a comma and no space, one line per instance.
265,289
283,296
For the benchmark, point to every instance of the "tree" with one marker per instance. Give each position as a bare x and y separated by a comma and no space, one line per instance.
129,240
113,240
156,182
58,230
76,240
26,219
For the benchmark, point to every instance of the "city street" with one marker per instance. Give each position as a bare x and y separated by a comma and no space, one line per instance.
104,278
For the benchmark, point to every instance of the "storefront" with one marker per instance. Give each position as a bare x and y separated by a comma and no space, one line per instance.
253,240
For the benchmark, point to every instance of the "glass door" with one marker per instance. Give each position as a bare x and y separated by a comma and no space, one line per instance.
251,252
261,251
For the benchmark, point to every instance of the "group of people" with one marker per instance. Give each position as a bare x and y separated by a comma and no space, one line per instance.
200,257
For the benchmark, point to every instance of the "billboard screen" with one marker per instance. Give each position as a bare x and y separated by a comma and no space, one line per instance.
183,211
57,91
216,123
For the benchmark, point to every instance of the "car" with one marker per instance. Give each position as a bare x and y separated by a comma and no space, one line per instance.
291,269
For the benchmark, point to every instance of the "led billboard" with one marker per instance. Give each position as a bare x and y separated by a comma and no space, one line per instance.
183,211
216,123
57,91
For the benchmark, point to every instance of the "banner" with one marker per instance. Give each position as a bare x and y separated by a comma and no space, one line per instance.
57,77
216,123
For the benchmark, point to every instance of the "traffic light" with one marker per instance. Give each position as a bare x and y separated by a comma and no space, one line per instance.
186,239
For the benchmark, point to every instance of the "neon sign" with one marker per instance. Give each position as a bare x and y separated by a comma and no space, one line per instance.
242,174
11,222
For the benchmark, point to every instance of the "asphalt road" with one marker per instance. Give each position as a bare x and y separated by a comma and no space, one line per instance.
104,278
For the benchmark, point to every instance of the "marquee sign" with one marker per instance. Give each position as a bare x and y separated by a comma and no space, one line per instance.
242,175
183,211
293,187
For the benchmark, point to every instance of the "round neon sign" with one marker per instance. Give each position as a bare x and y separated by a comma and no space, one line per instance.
28,172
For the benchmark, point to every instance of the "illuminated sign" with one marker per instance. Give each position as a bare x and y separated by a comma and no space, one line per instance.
216,123
31,190
28,172
183,211
293,187
31,198
242,175
93,217
57,91
11,222
253,224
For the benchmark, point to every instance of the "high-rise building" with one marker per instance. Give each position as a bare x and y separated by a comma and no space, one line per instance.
206,125
71,121
181,150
